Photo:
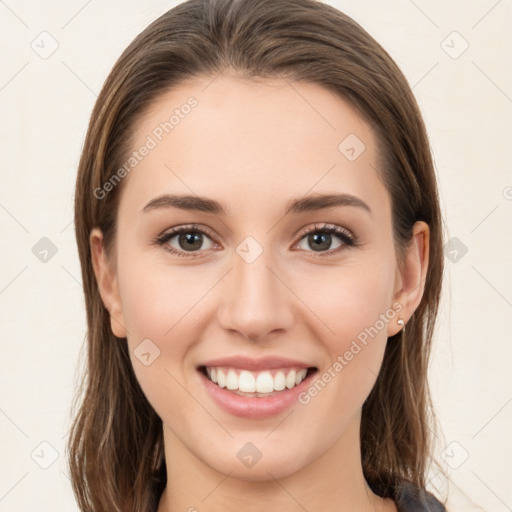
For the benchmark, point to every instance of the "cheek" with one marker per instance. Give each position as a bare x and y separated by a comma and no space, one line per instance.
354,304
350,297
156,298
159,309
163,326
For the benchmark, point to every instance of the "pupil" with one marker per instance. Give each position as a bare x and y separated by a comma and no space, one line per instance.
320,241
191,239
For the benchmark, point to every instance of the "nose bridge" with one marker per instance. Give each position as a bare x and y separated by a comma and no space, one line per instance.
255,301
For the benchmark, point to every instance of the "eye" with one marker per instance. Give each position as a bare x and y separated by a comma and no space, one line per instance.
189,240
320,239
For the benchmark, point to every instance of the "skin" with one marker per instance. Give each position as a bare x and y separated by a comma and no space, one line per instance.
253,146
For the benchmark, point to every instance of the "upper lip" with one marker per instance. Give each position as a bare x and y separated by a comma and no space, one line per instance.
263,363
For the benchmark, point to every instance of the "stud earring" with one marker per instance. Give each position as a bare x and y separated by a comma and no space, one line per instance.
400,321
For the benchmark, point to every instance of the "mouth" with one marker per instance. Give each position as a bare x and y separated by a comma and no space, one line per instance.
257,384
255,388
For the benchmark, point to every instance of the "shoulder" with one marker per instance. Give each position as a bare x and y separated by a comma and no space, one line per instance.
409,498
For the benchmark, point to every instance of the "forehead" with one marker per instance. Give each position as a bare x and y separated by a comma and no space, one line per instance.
253,141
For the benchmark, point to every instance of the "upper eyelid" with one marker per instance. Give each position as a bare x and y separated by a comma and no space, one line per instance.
324,226
186,227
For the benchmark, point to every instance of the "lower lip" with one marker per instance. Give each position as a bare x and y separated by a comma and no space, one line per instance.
254,407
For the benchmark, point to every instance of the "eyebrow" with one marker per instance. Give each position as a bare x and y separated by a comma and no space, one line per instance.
302,204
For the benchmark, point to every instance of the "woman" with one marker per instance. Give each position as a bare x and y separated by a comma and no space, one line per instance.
260,238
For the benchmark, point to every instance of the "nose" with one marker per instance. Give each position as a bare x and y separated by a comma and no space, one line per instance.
256,300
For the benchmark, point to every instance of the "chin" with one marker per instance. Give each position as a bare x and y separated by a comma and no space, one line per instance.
263,470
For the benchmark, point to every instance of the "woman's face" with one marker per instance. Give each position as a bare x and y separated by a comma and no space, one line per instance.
256,293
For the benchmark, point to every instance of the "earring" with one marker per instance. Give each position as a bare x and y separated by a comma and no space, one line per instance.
400,321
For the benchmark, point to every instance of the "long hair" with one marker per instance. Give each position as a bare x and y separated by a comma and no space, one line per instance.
115,448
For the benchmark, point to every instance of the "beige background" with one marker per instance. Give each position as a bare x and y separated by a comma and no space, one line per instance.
45,103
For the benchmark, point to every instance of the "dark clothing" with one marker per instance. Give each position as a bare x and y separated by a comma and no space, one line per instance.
408,498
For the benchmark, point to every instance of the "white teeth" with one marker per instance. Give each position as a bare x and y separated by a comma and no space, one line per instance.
232,380
221,379
290,379
301,375
279,381
247,382
256,382
264,383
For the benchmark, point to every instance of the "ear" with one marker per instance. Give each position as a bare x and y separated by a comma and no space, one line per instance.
410,281
106,278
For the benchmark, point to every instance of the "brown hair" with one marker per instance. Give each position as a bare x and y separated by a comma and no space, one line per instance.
115,448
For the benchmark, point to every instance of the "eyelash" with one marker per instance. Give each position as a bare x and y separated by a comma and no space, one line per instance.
346,237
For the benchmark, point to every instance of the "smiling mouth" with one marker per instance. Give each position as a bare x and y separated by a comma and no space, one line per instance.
257,383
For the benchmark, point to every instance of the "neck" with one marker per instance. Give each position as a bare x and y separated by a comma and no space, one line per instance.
333,482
